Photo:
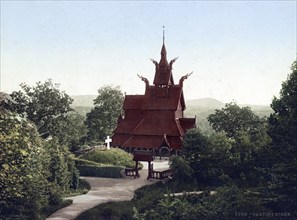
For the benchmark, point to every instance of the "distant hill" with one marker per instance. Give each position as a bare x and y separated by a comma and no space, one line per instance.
83,103
83,100
205,102
210,104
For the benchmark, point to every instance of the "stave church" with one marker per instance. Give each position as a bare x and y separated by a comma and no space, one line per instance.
155,121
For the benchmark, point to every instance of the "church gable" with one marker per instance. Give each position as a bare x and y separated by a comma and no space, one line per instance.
133,102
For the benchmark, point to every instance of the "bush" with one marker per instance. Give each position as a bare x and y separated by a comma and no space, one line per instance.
84,186
53,208
113,156
100,171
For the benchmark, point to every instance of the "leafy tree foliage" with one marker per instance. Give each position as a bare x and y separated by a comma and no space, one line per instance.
61,166
49,108
23,169
207,156
227,203
32,174
233,153
232,119
194,142
182,170
102,119
283,131
44,104
70,131
283,122
248,134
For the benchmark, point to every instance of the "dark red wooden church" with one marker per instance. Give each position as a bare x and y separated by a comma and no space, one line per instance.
155,121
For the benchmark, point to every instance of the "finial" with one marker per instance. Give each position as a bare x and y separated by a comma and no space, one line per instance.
163,34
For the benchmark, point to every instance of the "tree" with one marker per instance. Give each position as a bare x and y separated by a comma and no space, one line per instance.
248,133
283,122
102,119
283,131
209,157
232,120
23,169
61,166
182,170
44,104
194,144
70,131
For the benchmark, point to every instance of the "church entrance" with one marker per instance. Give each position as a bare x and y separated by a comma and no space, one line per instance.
148,156
141,155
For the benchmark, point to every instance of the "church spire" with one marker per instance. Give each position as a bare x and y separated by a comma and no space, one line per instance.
163,34
163,74
163,60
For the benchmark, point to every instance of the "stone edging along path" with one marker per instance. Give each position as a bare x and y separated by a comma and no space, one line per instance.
104,190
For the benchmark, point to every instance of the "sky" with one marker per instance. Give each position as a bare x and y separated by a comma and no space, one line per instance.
238,50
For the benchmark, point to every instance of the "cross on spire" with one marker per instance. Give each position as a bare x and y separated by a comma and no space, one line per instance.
163,34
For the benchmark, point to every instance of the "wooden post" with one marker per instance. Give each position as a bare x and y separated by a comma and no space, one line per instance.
160,153
136,168
149,170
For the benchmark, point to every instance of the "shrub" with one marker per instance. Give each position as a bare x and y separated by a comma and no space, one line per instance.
53,208
114,156
84,186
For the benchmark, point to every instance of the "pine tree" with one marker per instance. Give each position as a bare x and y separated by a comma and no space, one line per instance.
283,131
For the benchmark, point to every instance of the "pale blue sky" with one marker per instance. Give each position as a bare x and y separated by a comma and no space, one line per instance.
238,50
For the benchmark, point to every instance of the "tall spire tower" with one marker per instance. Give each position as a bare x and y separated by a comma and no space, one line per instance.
163,76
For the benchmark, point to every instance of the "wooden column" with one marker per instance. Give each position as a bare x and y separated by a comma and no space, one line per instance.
150,169
136,168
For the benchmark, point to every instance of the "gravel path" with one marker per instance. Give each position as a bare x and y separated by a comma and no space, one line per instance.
105,190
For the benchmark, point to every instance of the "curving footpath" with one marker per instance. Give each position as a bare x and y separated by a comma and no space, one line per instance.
105,190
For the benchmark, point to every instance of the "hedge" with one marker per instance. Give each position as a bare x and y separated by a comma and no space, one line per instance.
114,156
102,171
80,161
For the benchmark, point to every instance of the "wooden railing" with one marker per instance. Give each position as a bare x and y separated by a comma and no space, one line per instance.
161,175
131,172
153,174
